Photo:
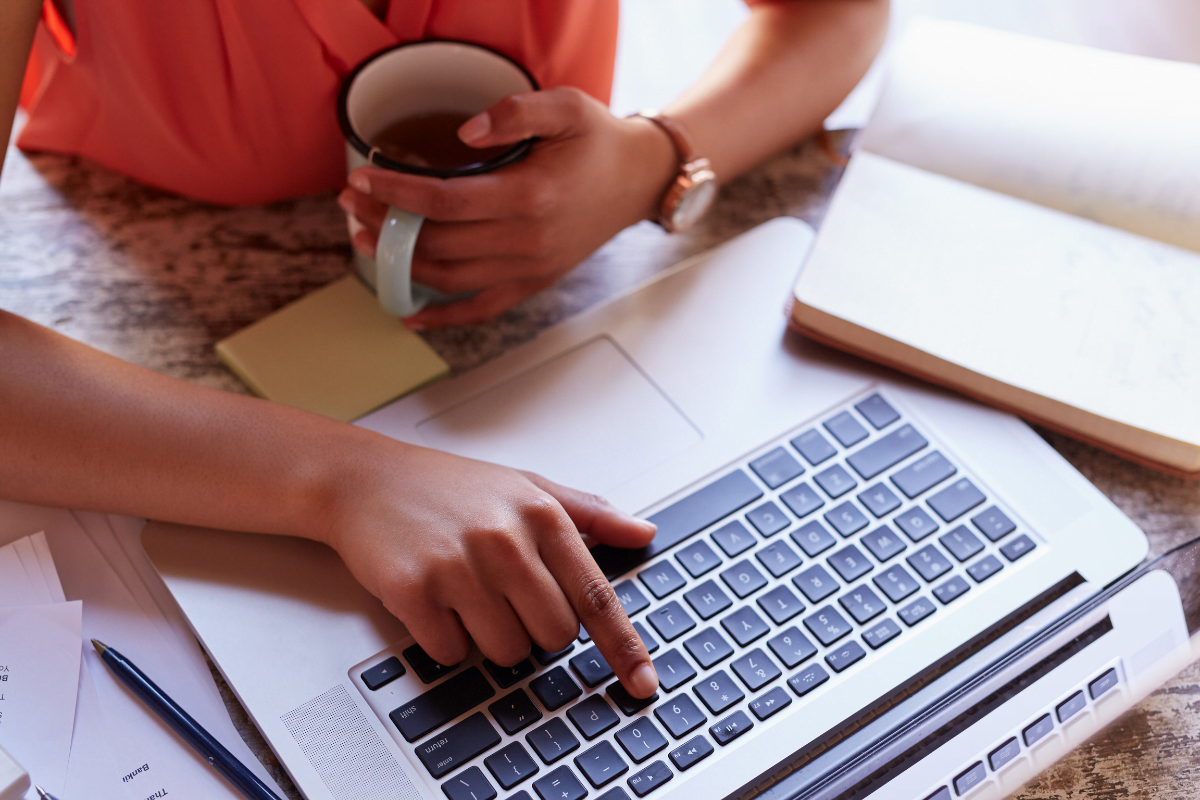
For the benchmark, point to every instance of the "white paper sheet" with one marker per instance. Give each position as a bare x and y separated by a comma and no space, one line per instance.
39,680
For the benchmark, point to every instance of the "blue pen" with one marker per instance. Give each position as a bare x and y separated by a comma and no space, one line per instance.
182,723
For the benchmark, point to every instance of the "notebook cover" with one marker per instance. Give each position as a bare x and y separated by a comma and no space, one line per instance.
334,352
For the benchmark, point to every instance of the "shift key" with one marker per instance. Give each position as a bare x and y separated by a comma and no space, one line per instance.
887,452
457,745
442,703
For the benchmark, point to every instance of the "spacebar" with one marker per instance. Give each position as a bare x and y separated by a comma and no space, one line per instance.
682,519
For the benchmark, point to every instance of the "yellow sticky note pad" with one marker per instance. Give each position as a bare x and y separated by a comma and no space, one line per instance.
335,352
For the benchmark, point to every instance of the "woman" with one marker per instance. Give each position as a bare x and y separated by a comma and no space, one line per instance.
233,103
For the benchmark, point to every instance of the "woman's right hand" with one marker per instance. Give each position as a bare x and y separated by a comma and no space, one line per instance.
460,549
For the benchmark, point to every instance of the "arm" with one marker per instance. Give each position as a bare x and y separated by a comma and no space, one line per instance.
513,232
453,547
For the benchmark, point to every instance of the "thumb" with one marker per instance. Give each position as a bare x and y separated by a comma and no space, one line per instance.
551,114
600,520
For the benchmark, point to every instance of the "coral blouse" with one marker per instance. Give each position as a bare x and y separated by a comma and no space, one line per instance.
233,101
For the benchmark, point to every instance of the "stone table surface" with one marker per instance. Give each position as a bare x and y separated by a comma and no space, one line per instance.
156,280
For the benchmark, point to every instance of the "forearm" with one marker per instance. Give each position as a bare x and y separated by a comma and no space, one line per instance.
82,429
18,19
785,70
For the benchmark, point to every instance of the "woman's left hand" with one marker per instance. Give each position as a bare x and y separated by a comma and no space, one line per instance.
510,233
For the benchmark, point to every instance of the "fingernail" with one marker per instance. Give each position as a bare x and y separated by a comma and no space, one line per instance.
346,202
647,524
475,128
359,182
643,681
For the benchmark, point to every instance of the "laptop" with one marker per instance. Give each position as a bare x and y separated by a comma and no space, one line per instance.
844,558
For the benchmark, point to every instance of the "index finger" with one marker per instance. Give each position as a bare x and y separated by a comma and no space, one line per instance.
466,199
598,608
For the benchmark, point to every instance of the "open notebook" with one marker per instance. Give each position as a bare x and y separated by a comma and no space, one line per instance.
1022,223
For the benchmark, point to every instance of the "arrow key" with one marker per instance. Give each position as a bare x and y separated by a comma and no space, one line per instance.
695,751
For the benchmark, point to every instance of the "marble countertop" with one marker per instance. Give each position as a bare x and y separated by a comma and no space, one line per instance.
157,279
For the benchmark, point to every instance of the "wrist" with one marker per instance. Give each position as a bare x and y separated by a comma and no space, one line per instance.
654,165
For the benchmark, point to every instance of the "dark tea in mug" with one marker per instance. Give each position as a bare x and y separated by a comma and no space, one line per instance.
430,139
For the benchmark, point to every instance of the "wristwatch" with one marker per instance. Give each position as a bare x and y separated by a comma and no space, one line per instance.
694,189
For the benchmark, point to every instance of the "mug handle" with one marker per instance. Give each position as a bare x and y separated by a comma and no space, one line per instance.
393,263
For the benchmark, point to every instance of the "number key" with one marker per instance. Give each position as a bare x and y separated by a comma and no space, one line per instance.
680,716
827,625
718,691
929,563
640,739
792,647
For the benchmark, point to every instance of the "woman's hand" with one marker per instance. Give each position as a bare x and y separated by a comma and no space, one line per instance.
461,549
513,232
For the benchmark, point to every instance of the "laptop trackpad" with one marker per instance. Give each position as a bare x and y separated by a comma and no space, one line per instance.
589,418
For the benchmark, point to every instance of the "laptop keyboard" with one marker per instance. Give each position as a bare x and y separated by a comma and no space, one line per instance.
760,588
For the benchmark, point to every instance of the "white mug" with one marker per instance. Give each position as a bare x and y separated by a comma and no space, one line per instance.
403,81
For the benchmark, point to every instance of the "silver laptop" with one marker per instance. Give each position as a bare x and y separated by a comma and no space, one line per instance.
844,557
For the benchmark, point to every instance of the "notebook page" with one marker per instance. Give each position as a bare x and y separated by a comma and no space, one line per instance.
1105,136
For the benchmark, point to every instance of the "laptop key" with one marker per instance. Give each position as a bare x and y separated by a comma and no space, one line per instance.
671,621
508,676
879,500
846,429
641,739
850,563
744,625
961,543
896,583
993,523
956,499
457,745
808,679
661,579
471,784
844,655
984,568
767,519
442,703
733,538
708,648
718,692
883,543
881,633
802,499
792,647
545,657
916,611
515,712
835,481
601,764
846,519
731,727
584,636
877,411
691,753
780,604
929,563
560,784
827,625
1004,753
815,583
887,452
592,716
1017,547
814,447
650,778
1038,730
673,670
951,589
707,599
1070,707
681,716
778,558
770,703
862,604
647,637
941,794
591,667
743,579
923,474
553,740
426,668
382,673
813,539
510,765
698,558
776,468
755,670
628,704
1100,685
967,780
555,688
916,523
631,597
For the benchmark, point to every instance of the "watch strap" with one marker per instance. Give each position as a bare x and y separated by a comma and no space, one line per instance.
679,136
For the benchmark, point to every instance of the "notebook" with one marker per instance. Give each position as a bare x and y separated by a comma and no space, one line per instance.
1022,223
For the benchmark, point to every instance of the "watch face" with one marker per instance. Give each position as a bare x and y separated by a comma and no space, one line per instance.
694,202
